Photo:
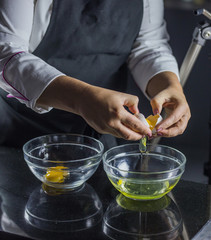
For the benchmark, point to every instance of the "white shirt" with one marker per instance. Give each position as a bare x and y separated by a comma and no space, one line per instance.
23,24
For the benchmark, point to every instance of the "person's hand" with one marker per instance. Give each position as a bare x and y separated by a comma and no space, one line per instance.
170,96
176,109
102,109
105,111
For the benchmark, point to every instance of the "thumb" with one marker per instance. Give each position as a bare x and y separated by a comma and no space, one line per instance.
157,103
132,104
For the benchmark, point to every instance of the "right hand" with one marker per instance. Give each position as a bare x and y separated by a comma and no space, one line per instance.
103,109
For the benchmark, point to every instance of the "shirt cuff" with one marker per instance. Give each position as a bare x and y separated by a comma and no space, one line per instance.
25,77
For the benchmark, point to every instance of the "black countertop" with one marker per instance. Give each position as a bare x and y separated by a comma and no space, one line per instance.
92,212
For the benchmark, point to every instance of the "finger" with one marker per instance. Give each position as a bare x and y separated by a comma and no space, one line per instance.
122,131
134,109
135,124
119,130
176,129
173,118
157,103
132,103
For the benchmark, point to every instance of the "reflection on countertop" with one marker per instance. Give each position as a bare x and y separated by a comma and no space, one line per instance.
155,219
95,211
65,211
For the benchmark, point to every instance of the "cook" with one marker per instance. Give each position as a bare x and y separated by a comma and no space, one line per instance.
68,62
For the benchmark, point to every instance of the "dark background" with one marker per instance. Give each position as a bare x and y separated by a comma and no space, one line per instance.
194,142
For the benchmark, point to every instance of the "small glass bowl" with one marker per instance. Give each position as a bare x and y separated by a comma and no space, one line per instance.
63,161
144,176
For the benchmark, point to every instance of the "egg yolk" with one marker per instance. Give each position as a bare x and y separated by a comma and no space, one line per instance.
56,174
52,191
119,182
152,120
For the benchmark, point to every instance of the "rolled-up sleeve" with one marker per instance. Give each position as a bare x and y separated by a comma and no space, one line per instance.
151,53
22,74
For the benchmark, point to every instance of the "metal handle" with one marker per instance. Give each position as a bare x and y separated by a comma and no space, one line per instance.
201,33
189,61
204,12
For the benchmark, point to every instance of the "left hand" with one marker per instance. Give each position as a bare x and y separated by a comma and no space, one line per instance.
169,95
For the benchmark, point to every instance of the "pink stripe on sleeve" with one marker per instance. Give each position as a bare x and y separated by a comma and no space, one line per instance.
3,71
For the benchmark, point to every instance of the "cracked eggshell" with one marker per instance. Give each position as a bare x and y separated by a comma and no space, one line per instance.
142,118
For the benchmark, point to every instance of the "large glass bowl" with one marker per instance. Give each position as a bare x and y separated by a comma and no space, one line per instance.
144,176
63,161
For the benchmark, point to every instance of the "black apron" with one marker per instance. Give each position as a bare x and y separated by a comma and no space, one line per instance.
86,39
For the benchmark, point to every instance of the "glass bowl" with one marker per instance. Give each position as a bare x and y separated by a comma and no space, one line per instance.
144,176
63,161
